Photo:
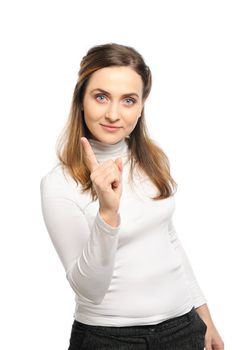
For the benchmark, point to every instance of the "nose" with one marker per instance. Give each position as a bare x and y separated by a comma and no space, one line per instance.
113,112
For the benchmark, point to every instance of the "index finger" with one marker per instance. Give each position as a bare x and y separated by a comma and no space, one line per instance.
93,163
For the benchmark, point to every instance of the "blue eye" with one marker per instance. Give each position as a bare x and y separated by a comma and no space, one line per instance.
131,99
99,96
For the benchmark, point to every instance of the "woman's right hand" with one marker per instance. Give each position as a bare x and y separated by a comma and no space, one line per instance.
106,178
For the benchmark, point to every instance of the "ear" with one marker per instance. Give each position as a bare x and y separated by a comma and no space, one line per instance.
141,110
143,103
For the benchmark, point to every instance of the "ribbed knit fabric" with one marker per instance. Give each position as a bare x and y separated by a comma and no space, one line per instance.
134,274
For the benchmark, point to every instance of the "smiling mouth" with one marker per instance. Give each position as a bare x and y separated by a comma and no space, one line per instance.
111,126
111,129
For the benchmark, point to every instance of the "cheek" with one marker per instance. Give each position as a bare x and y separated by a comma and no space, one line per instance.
92,111
132,117
92,107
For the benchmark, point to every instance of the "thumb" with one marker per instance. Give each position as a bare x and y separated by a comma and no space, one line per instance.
118,161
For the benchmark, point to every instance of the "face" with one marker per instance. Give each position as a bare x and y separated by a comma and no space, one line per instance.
113,98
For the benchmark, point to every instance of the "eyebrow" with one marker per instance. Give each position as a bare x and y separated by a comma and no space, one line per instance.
124,95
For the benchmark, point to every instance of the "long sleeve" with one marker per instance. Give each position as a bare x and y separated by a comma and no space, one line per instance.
87,254
196,292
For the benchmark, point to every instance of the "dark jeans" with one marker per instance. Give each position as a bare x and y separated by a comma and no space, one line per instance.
186,332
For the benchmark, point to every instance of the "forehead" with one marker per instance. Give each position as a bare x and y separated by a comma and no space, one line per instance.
116,79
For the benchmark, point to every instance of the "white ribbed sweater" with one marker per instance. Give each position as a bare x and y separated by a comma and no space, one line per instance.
134,274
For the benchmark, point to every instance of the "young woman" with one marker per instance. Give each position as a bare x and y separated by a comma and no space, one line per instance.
108,207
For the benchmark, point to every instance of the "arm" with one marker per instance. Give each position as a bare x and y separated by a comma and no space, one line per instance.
87,254
213,339
197,294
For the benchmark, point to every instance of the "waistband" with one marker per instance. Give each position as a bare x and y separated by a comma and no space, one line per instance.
141,329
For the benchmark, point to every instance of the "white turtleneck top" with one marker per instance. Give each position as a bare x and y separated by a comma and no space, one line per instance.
134,274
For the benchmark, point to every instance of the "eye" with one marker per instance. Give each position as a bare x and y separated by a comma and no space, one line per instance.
131,100
99,95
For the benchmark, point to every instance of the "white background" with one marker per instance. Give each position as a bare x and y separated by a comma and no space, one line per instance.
187,45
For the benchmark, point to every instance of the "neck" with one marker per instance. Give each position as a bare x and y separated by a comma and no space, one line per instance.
104,151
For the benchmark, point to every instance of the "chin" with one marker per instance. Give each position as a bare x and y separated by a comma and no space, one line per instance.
111,139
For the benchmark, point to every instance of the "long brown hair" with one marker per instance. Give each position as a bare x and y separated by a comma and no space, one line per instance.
144,151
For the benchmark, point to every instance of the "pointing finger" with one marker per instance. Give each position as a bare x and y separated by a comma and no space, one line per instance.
91,158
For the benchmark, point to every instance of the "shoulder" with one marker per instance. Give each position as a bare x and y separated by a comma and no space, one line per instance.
58,183
56,177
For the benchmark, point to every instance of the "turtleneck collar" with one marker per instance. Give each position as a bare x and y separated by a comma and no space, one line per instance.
104,151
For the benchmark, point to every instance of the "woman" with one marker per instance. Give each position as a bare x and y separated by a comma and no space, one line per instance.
108,207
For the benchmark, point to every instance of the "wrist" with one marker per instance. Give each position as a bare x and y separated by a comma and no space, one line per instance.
111,218
204,313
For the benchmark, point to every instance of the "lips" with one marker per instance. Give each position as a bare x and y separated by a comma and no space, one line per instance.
111,126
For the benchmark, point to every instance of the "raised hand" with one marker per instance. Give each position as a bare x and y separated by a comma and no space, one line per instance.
106,178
